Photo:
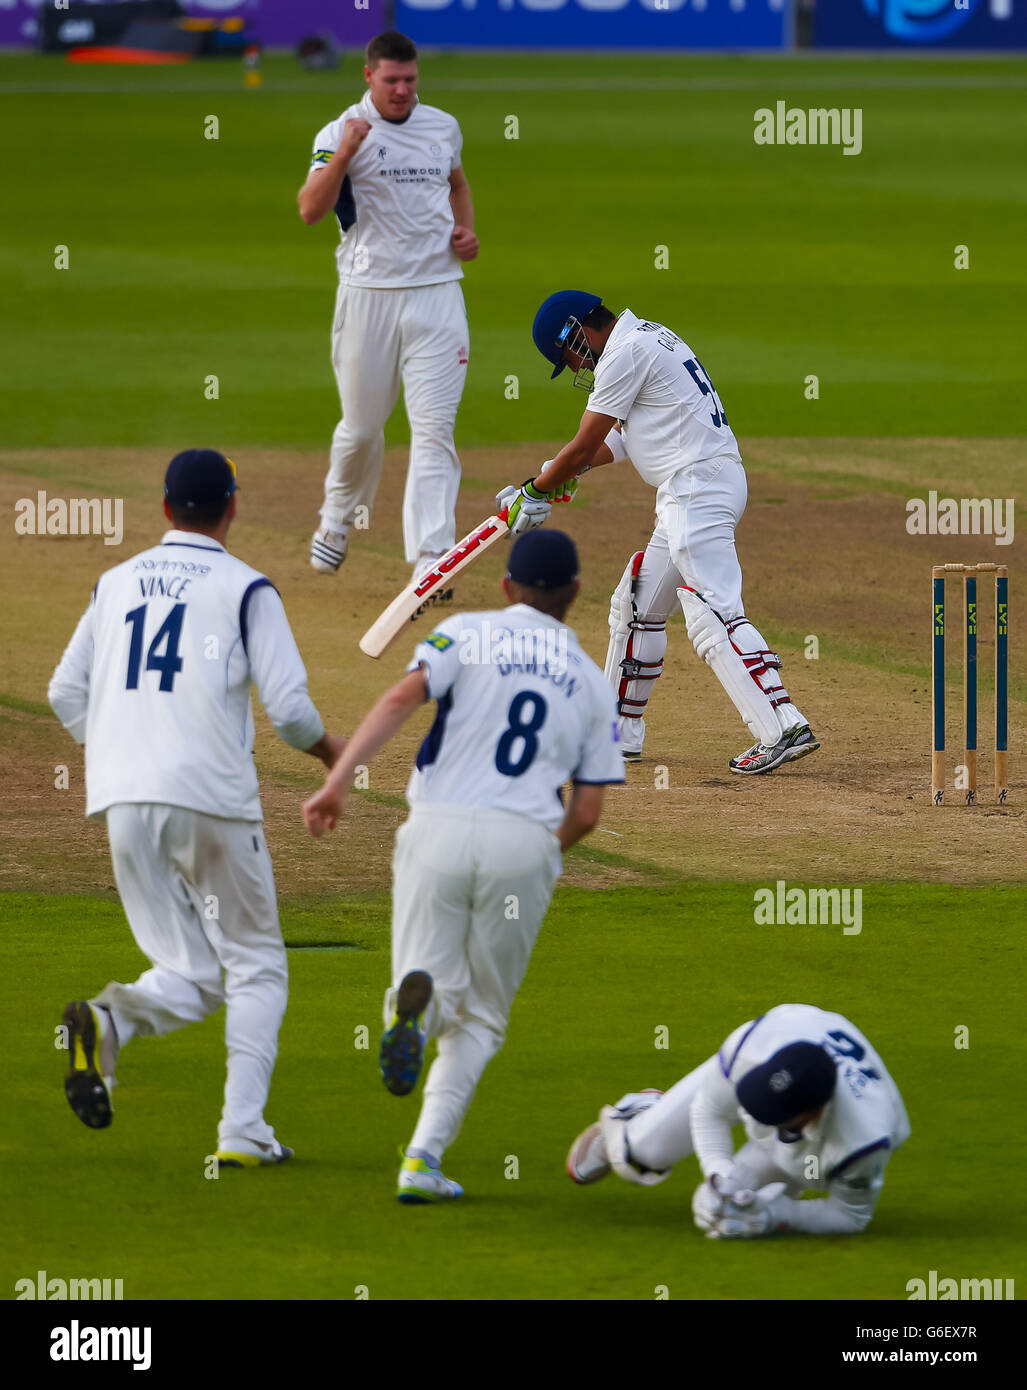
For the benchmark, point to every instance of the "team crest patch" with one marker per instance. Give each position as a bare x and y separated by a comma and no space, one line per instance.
439,641
436,150
322,156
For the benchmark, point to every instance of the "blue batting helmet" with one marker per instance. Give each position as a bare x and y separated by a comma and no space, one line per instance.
554,320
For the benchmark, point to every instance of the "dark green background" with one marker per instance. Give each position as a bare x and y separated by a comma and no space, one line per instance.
188,256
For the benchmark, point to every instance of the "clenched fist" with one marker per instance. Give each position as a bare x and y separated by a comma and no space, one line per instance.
464,243
355,133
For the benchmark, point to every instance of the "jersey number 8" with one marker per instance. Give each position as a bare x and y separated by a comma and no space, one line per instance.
521,731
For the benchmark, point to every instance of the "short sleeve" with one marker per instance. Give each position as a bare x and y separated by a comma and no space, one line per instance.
458,146
439,657
326,142
618,380
601,758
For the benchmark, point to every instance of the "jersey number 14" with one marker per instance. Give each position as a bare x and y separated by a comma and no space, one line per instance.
168,635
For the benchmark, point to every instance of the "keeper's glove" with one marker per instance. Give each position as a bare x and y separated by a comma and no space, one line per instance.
747,1215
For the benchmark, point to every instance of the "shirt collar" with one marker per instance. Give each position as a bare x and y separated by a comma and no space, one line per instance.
537,615
372,114
193,539
626,321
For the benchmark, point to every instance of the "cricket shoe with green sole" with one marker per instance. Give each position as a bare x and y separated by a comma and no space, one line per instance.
796,743
401,1052
421,1183
246,1153
92,1053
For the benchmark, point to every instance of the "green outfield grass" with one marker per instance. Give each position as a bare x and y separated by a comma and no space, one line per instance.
188,258
610,968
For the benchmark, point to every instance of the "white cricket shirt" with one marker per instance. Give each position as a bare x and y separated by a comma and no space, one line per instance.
394,216
863,1123
653,382
521,710
156,680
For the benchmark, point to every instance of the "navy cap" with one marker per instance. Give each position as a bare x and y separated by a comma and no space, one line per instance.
543,559
796,1079
551,321
199,478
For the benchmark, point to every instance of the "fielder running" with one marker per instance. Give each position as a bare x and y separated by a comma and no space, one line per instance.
820,1111
521,710
156,683
390,169
652,400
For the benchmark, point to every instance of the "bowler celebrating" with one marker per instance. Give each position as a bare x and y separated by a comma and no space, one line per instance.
521,710
652,400
390,169
820,1111
156,683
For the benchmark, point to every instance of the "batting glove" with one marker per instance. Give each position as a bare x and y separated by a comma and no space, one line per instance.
525,507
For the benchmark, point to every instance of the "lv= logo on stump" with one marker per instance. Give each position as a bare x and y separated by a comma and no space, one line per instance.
968,782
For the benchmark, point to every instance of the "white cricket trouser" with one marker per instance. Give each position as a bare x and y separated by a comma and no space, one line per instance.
199,895
470,889
694,544
661,1135
381,338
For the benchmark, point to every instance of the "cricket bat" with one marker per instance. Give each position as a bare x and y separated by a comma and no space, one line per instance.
385,629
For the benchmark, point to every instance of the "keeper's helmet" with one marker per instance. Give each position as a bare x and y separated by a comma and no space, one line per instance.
558,325
797,1079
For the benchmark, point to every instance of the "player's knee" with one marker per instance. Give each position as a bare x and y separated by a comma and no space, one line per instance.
434,436
356,435
705,629
268,978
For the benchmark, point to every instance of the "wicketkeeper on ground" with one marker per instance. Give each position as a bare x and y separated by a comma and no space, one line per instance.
820,1111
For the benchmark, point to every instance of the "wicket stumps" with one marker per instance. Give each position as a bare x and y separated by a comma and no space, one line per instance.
969,575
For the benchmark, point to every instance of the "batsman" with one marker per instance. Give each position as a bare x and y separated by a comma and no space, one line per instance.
652,401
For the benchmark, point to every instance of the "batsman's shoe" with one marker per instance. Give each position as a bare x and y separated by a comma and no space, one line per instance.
589,1159
634,756
245,1153
420,1183
402,1047
796,743
92,1052
327,550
